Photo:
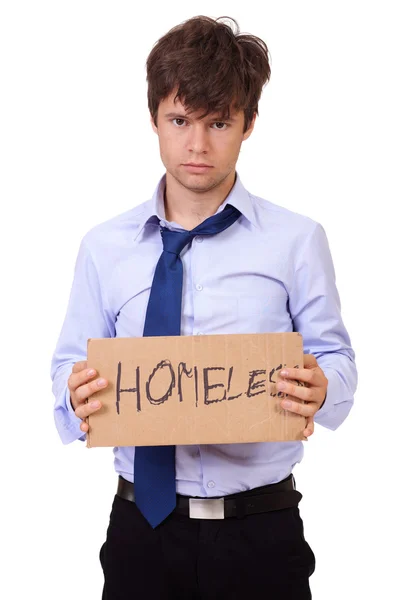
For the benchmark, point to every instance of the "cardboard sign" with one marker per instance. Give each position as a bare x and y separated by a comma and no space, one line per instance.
209,389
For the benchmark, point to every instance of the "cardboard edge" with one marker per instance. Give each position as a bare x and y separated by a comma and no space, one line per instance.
88,443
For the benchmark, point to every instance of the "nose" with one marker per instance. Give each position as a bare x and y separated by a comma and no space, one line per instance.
197,140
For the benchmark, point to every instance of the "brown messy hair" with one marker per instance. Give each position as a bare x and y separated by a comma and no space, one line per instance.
211,67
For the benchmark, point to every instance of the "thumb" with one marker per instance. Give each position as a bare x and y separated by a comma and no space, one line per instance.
310,361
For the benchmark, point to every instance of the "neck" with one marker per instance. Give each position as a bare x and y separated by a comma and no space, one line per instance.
189,208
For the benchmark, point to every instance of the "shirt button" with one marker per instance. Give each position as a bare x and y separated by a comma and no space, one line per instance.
199,239
199,287
199,333
211,484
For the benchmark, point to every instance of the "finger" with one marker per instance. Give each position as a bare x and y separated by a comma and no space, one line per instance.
87,409
79,366
298,391
309,430
307,375
309,361
305,410
83,392
84,427
77,379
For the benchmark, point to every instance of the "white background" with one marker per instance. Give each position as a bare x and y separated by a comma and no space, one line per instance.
77,149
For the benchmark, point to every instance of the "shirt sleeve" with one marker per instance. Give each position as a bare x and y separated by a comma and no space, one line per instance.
316,313
87,317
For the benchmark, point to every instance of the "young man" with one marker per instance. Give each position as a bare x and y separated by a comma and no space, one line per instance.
205,256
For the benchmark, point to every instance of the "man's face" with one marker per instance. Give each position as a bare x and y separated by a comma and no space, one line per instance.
186,139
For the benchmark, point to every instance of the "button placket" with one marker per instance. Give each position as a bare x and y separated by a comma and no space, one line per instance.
198,306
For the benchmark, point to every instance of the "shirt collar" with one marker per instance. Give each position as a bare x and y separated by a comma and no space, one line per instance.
238,197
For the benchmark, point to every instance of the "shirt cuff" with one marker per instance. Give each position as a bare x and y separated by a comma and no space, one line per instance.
69,404
336,407
332,392
67,423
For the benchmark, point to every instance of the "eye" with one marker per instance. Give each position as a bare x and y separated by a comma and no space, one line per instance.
224,125
181,121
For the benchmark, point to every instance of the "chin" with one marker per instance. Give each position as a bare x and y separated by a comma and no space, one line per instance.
195,180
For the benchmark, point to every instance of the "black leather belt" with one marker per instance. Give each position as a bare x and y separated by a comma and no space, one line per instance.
276,496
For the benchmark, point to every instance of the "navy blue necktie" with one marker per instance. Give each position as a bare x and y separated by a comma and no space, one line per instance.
155,491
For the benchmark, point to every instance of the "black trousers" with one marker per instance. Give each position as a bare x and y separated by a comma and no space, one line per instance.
257,556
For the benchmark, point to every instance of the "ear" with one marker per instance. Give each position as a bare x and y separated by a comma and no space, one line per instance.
154,126
250,128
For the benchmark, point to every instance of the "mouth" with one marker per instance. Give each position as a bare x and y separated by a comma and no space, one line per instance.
197,168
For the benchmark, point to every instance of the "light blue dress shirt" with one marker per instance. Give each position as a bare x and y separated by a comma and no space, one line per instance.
271,271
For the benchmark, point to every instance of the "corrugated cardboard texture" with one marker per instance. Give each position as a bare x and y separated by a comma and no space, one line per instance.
209,389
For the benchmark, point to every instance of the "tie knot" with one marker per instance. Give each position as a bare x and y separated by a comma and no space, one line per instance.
175,241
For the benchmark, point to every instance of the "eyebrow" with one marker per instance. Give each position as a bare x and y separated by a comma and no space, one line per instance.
174,115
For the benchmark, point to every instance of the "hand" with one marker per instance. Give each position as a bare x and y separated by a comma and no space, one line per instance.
312,390
81,386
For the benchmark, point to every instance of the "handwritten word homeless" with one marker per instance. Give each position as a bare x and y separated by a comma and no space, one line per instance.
172,380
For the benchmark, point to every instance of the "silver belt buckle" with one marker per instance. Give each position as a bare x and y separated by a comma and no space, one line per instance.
206,508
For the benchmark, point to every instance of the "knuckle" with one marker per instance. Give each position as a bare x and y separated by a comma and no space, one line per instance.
71,379
78,394
297,390
310,376
81,393
308,394
82,411
74,381
303,410
79,366
306,409
311,410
